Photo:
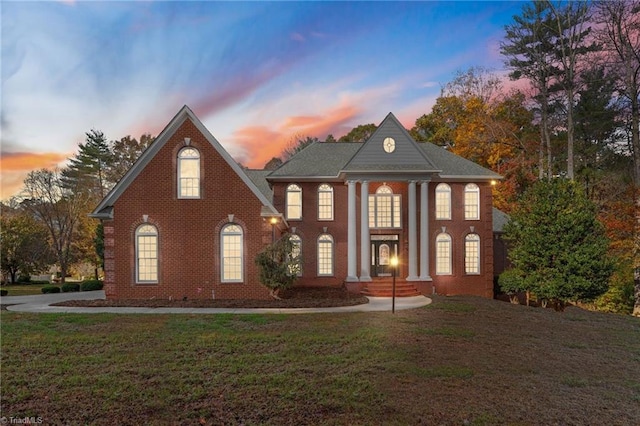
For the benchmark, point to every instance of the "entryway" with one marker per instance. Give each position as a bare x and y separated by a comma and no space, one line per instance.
383,248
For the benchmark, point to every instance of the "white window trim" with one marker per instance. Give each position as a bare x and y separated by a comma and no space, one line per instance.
472,188
445,189
326,239
385,191
326,189
222,257
476,261
179,171
137,253
296,188
449,254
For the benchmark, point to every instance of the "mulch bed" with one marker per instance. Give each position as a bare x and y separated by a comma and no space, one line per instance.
300,297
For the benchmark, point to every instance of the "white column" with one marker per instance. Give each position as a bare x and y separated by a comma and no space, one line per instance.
413,231
365,259
424,231
352,256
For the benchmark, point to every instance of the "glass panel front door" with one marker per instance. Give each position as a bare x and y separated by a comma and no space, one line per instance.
382,251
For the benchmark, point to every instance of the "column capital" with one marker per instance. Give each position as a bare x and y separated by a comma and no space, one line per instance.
424,181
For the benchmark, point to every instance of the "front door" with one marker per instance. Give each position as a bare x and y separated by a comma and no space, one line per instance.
382,250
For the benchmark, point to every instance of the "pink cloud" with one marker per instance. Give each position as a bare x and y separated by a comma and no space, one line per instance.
17,165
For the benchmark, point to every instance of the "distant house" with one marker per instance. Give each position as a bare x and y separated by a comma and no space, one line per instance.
187,221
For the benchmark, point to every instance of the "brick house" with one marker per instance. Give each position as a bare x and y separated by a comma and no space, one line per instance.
187,221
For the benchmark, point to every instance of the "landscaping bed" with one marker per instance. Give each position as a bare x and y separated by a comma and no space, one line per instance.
299,297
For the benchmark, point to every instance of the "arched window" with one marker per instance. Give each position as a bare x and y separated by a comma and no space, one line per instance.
188,173
471,202
384,208
472,254
325,255
296,253
325,202
146,254
231,253
443,254
443,202
294,202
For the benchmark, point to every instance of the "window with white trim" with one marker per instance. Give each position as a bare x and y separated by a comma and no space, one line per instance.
472,254
325,255
146,254
188,173
471,202
443,254
325,202
294,201
231,253
385,209
296,253
443,202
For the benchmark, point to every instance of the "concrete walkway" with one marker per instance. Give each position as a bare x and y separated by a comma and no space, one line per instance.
41,304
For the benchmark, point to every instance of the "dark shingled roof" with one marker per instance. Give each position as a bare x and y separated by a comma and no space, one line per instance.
258,177
318,159
324,160
500,219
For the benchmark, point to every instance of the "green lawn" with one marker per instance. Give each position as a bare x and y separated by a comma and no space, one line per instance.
461,360
23,289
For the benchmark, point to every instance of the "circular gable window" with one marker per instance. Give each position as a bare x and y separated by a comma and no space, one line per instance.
389,145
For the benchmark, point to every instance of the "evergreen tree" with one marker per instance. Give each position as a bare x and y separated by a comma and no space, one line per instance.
558,247
87,169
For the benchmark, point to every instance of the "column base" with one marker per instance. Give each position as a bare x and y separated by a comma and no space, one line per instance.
352,279
365,279
427,278
412,278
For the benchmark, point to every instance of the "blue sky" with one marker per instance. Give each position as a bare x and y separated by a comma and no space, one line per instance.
257,74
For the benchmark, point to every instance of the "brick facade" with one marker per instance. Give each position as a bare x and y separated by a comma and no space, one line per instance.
189,230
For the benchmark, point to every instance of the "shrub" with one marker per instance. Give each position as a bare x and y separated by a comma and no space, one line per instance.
68,287
24,278
50,289
91,285
4,292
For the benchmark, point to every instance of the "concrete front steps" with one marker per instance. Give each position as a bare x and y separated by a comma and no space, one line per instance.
383,287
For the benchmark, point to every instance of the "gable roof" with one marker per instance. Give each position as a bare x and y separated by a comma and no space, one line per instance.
405,156
104,210
321,160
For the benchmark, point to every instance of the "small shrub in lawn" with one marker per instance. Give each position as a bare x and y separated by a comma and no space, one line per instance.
50,289
4,292
91,285
24,278
68,287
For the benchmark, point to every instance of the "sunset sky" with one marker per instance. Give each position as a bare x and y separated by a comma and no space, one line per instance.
256,74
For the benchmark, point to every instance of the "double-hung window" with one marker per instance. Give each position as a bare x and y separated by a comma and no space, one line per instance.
325,255
472,202
188,173
472,254
325,202
384,209
231,252
147,254
443,254
294,202
443,202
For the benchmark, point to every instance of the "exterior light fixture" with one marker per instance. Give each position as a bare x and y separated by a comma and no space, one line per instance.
273,221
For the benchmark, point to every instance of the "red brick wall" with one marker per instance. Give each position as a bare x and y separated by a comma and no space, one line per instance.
189,229
457,228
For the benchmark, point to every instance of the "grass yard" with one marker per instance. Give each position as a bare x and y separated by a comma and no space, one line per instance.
461,360
23,289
